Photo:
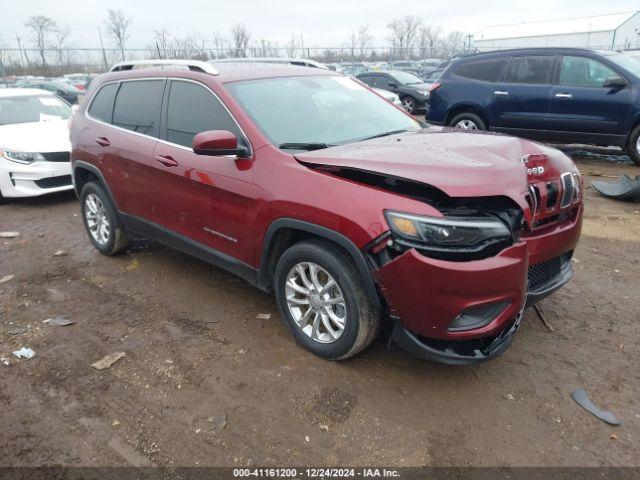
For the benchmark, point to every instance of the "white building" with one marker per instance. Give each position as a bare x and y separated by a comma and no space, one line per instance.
618,31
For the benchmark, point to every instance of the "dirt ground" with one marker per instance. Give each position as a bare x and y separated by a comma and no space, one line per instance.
205,382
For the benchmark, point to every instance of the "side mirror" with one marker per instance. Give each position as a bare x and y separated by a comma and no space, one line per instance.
393,85
615,82
218,143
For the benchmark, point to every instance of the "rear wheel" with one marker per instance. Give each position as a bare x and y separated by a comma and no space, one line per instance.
322,300
633,145
467,121
101,220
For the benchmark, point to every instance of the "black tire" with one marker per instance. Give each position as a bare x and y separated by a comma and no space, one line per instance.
409,104
363,318
470,117
633,145
118,239
3,199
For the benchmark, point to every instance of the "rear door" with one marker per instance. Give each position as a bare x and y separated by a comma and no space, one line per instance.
128,145
207,199
580,102
520,100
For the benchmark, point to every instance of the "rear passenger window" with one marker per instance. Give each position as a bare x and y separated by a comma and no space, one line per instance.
137,106
484,70
534,69
193,109
102,105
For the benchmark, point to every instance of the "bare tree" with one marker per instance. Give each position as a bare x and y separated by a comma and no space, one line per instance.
218,44
265,48
117,25
41,27
455,43
293,46
364,39
428,39
352,43
62,34
162,39
240,39
403,32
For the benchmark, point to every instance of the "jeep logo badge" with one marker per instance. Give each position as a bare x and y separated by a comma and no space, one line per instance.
535,171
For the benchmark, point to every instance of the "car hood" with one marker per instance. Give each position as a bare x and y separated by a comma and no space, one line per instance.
460,164
48,136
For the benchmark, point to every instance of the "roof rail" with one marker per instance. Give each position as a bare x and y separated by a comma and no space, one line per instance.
195,65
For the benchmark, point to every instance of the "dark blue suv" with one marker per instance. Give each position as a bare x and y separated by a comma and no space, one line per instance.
556,94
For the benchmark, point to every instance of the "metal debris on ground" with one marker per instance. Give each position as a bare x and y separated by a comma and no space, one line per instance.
9,234
4,361
59,321
582,399
626,188
60,253
6,278
25,353
107,361
263,316
542,318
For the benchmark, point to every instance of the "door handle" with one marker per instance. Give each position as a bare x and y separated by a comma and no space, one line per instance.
563,95
103,141
166,160
501,93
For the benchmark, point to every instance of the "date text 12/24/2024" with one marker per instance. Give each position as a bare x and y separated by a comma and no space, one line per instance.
315,473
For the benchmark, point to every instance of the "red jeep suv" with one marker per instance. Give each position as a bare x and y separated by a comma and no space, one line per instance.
308,184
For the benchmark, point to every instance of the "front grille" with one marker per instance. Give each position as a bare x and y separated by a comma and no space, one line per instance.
567,186
543,272
53,182
57,156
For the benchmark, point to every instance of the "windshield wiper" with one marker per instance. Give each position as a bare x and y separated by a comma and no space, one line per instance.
385,134
304,146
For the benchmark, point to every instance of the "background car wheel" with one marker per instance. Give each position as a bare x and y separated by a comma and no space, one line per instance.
101,220
322,301
633,145
467,121
409,104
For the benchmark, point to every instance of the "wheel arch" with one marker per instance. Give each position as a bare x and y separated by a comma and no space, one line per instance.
84,173
284,232
463,108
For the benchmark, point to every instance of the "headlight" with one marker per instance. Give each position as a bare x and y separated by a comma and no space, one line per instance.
22,157
424,93
439,237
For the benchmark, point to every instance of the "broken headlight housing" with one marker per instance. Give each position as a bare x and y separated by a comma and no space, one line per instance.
450,238
22,157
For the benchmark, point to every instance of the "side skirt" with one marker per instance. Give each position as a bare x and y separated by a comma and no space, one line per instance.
183,244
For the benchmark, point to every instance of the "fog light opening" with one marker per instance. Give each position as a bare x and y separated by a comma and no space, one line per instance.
477,316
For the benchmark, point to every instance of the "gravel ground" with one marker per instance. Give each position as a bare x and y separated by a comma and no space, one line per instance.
205,382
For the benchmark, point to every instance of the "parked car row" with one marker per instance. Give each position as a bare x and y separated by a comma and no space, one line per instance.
552,94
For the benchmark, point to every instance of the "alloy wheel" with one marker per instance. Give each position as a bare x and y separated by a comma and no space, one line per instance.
97,220
466,125
315,302
408,104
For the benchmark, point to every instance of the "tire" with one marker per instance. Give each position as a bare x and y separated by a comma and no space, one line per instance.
633,145
117,239
471,120
361,319
3,199
409,104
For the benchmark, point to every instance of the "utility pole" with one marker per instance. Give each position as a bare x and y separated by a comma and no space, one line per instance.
104,55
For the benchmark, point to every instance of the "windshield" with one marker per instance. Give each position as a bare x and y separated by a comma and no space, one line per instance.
328,110
406,78
627,62
33,109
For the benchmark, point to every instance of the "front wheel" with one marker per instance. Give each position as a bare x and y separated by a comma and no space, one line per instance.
322,300
409,104
101,220
467,121
633,145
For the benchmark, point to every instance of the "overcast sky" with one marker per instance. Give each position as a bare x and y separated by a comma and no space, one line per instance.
323,23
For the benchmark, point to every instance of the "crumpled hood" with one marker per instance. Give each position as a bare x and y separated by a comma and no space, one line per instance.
461,164
46,136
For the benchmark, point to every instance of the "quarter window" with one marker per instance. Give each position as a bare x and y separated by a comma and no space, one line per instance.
485,70
137,106
533,69
584,72
193,109
102,105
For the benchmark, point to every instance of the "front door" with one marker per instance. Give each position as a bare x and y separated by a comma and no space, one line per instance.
206,199
581,103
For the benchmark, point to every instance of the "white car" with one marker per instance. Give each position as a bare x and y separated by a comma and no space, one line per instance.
34,143
389,96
